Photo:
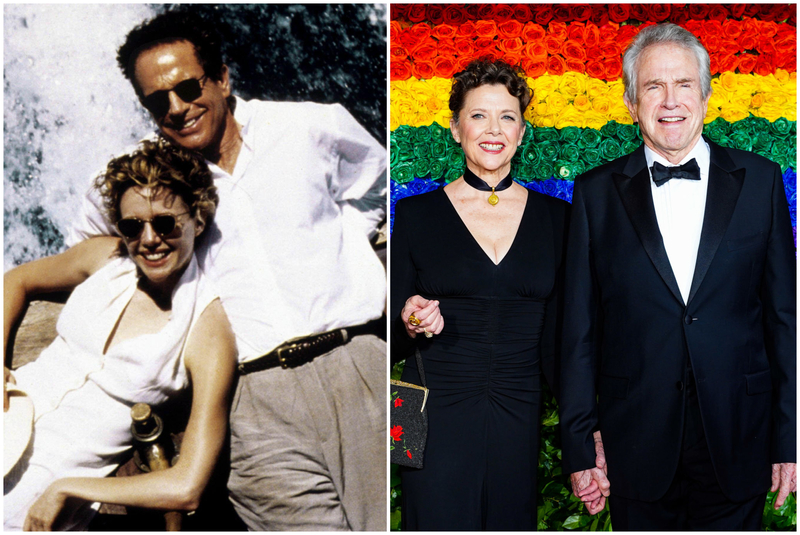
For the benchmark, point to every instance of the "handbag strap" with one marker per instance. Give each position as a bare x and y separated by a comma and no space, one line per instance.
419,367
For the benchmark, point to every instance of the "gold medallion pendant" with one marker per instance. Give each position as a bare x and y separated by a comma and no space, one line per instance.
479,184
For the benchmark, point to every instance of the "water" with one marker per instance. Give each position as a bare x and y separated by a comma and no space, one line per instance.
68,109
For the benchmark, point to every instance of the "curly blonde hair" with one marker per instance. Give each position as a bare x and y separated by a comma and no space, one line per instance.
156,165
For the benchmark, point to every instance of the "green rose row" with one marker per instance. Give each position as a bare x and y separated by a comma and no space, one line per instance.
549,152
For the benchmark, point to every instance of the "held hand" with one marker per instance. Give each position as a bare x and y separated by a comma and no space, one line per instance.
426,312
586,485
592,485
784,479
43,513
8,377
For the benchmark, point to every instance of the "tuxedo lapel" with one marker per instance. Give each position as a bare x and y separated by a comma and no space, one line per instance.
724,186
633,186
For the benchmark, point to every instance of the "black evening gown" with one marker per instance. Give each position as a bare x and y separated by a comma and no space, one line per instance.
484,369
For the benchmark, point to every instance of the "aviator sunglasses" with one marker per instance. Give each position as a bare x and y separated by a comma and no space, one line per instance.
163,225
188,91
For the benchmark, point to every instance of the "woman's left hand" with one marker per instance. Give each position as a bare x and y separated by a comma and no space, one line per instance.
43,513
426,312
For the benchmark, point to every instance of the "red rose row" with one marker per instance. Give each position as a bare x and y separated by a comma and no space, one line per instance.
609,69
421,50
598,13
738,36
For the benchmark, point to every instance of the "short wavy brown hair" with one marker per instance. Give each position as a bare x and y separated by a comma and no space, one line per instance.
484,72
156,165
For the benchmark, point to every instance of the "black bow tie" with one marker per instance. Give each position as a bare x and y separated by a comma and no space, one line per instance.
662,174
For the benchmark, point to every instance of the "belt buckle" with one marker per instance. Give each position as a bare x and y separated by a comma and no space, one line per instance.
285,359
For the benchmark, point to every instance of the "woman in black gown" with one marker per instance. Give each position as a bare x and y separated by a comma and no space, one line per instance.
480,272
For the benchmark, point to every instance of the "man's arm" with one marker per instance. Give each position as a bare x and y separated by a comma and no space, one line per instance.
359,184
582,450
90,221
778,292
578,411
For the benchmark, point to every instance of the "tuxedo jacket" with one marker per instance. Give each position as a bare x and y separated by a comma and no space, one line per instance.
629,336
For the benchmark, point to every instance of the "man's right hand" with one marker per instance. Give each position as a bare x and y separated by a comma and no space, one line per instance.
8,377
591,486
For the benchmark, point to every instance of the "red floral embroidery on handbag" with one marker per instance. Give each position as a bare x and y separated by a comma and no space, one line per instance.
408,452
396,432
398,402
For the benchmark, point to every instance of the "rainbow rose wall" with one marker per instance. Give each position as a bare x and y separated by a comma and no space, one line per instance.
572,57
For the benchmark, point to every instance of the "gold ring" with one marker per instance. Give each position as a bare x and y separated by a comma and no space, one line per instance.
427,334
412,319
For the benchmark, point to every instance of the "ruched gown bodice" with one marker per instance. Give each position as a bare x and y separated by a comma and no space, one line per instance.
484,369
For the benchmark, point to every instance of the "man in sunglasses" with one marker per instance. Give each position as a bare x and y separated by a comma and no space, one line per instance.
302,188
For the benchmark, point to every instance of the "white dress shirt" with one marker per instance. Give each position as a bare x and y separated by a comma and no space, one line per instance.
680,206
289,252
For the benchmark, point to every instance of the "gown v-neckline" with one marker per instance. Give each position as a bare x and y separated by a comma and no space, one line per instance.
475,241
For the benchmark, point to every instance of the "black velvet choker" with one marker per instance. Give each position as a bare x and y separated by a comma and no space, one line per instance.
479,184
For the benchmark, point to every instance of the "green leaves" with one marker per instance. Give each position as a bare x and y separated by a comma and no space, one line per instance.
430,152
785,518
395,492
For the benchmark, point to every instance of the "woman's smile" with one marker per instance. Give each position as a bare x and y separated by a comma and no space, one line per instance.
156,259
494,148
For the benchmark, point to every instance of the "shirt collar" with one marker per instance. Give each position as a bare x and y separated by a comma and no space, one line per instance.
700,152
243,115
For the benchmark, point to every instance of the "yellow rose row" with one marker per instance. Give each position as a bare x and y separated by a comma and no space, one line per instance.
575,99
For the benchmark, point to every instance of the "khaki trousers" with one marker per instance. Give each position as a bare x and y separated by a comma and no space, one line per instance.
308,444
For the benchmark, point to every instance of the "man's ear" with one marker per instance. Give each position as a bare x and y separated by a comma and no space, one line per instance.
631,108
706,101
224,81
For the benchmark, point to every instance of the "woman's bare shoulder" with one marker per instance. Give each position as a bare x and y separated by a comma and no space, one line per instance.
212,336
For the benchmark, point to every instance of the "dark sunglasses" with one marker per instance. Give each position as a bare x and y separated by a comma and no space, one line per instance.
163,225
188,91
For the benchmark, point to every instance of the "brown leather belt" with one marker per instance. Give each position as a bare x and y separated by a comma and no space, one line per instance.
299,351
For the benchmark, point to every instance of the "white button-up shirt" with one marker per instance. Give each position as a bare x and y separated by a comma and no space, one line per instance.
289,252
680,209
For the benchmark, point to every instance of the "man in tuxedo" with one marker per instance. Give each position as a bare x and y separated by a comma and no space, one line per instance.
678,364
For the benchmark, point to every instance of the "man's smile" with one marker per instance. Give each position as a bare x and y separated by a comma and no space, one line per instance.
185,126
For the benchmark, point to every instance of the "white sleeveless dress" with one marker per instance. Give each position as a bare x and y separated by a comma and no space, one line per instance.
82,398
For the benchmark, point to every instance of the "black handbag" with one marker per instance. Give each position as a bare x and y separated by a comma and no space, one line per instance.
409,420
